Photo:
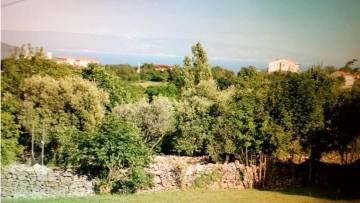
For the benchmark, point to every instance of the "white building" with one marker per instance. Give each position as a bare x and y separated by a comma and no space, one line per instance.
283,65
49,55
83,62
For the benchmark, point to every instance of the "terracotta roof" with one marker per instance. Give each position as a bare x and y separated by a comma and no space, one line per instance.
162,66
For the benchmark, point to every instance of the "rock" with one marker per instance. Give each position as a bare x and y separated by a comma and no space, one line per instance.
21,181
168,176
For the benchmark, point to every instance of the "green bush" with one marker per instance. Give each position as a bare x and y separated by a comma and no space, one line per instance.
119,91
14,71
155,120
206,179
124,71
166,90
180,174
149,73
10,148
115,154
137,179
59,110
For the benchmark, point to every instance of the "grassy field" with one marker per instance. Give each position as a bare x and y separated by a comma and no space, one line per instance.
206,196
146,84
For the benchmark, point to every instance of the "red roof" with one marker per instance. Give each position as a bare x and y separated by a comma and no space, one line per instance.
162,66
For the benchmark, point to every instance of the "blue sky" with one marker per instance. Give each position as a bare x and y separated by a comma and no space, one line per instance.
253,32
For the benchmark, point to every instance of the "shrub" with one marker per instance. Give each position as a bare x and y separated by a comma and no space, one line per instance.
166,90
10,148
180,174
61,109
155,119
119,91
137,179
124,71
206,179
115,154
148,72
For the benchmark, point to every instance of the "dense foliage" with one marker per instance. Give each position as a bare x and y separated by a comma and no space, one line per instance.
148,72
117,154
54,111
168,90
100,120
155,119
224,77
119,91
124,71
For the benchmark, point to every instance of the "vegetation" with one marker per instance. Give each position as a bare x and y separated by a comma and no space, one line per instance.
149,73
224,78
118,91
204,180
155,119
95,119
167,90
124,71
313,195
116,155
55,111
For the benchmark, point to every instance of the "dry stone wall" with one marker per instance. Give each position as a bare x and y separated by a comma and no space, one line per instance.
169,172
173,172
21,181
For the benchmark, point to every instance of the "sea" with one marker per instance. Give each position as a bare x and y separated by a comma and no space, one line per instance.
134,60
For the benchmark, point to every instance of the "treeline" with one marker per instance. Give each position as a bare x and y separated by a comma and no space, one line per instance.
98,120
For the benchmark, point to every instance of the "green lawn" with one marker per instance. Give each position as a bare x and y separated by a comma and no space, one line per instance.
206,196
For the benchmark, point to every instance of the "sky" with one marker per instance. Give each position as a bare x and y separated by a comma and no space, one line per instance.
249,32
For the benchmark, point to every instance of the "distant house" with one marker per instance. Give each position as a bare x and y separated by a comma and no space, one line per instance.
49,55
349,79
162,67
285,65
79,62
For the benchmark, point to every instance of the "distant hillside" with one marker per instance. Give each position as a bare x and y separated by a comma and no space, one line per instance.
6,50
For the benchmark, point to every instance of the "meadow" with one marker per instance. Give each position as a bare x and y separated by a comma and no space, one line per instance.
208,196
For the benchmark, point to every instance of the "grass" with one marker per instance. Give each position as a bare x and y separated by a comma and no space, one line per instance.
206,196
146,84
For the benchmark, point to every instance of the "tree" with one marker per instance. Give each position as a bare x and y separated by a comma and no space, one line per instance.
222,141
175,74
118,91
201,113
148,72
155,119
344,117
15,70
224,78
124,71
249,112
193,125
116,154
200,63
10,131
60,109
349,66
188,74
301,107
166,90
